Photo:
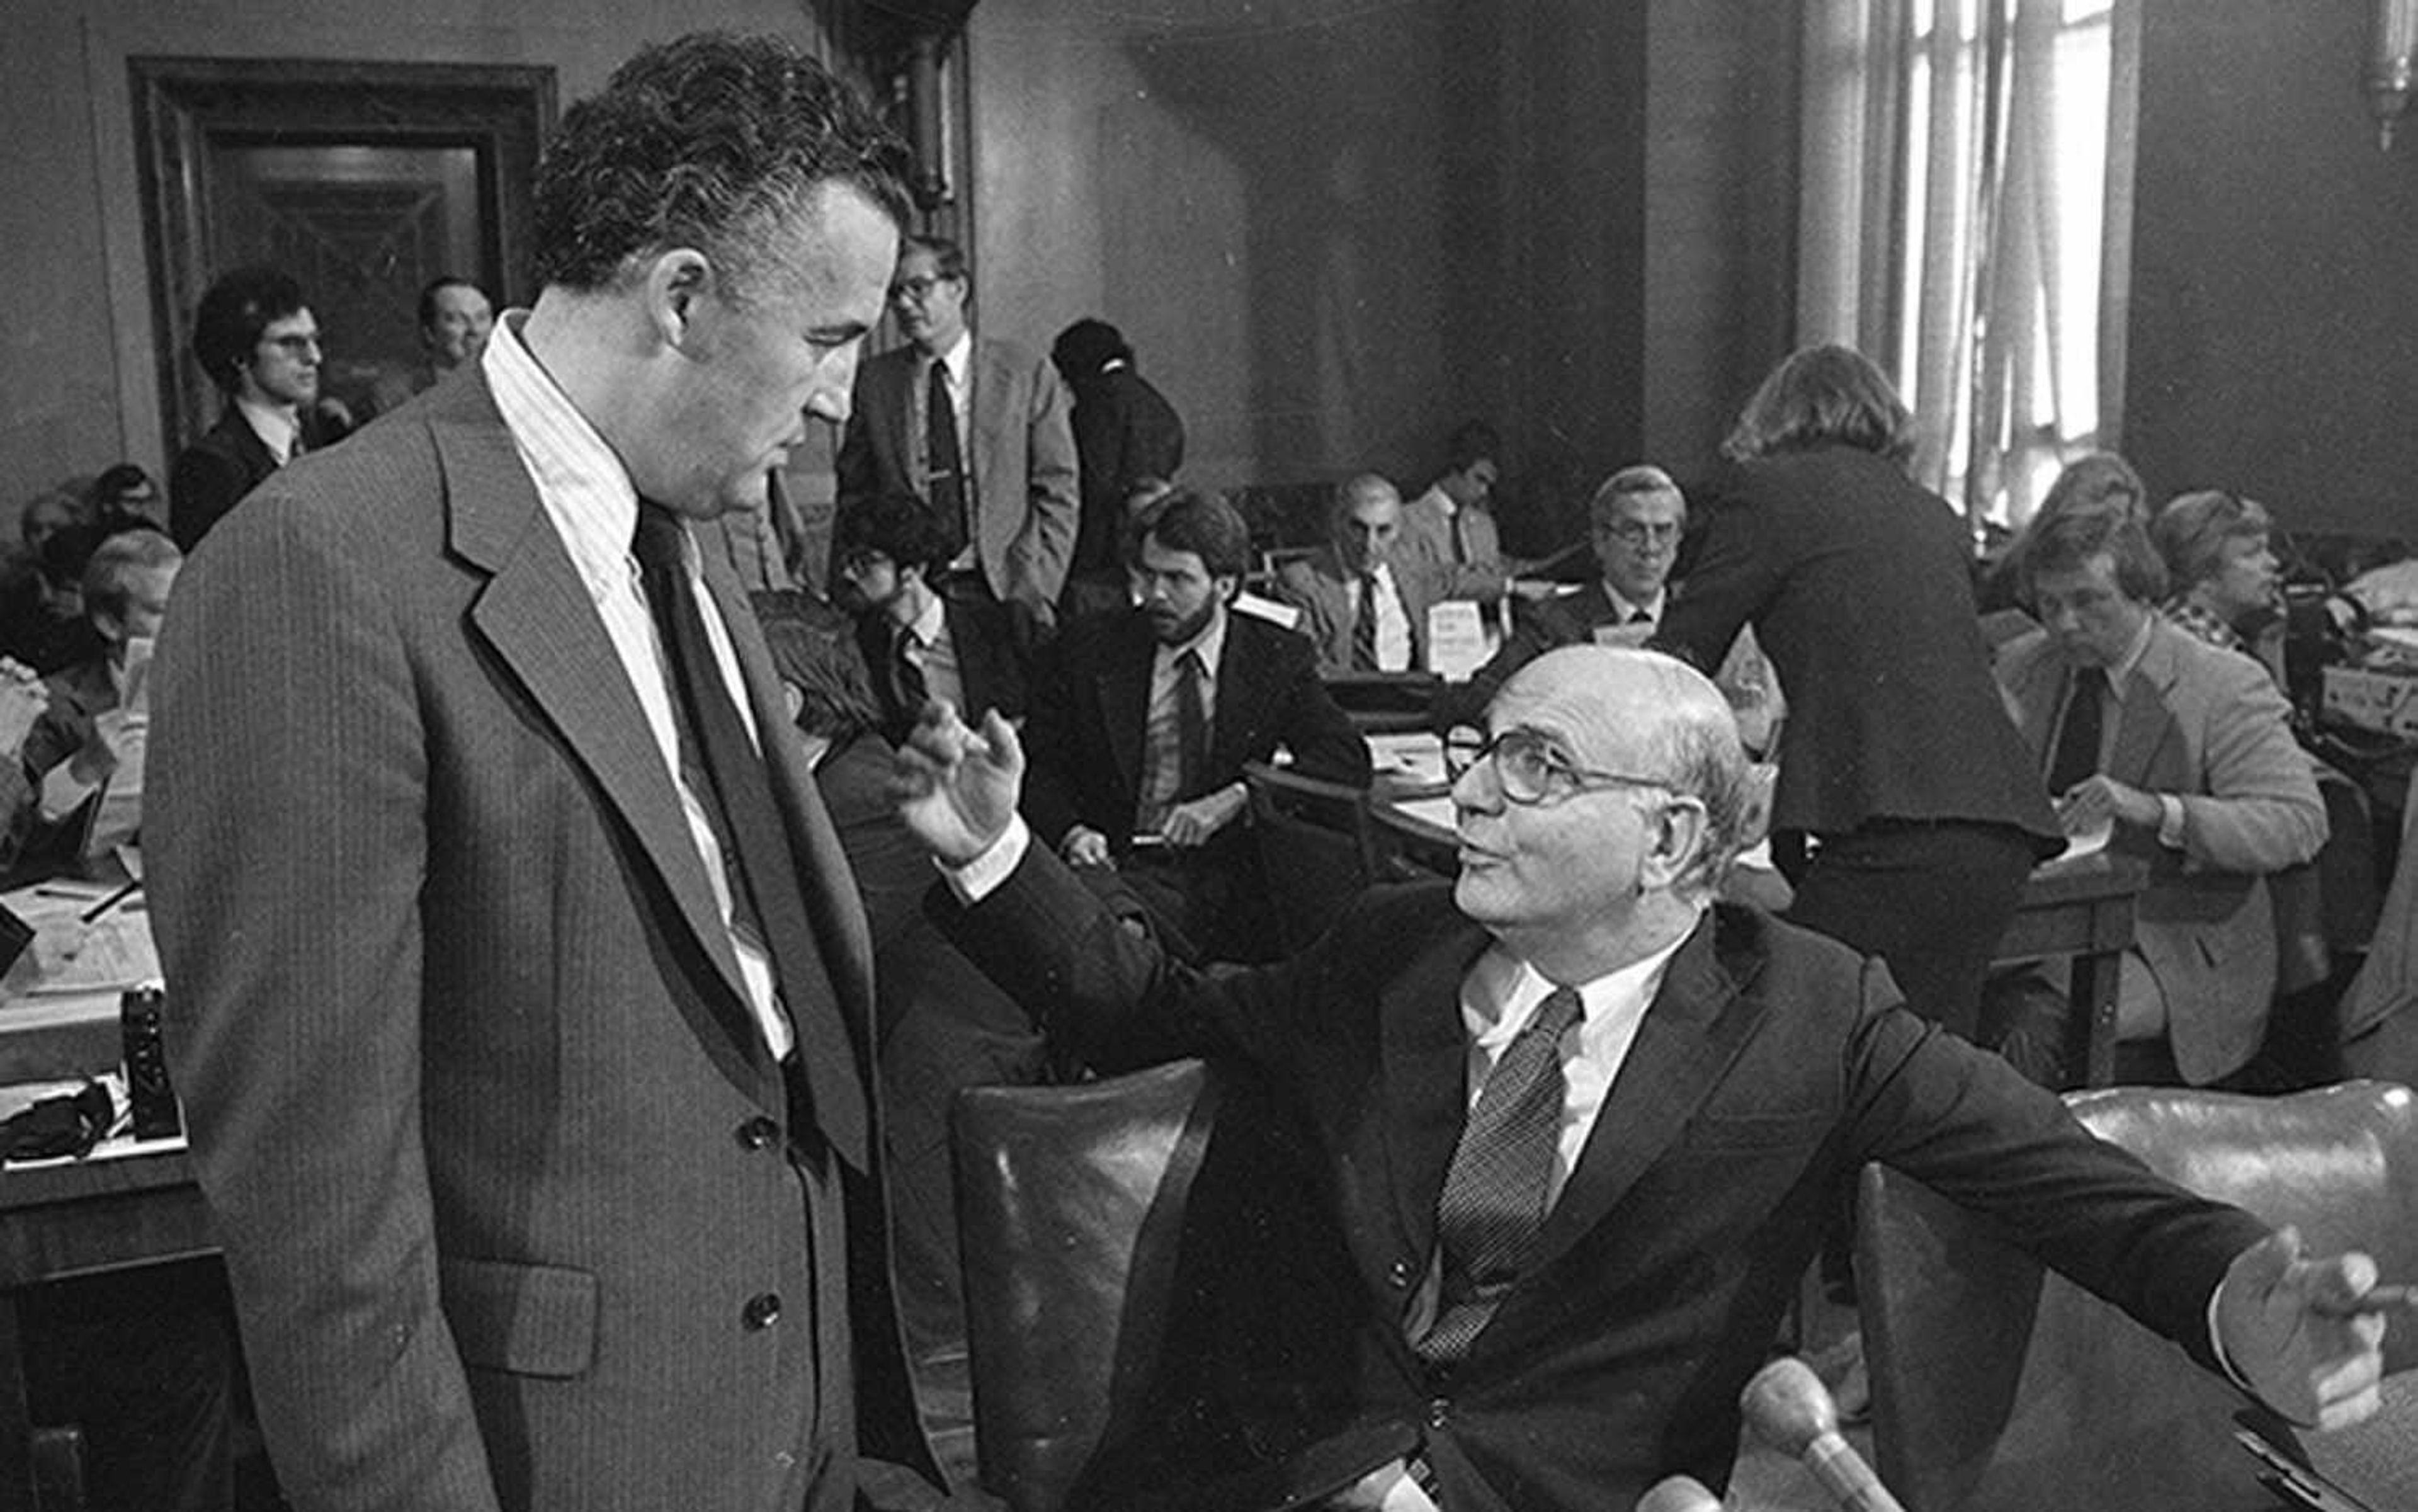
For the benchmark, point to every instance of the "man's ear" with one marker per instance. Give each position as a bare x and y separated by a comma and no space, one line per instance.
1227,584
677,284
1679,834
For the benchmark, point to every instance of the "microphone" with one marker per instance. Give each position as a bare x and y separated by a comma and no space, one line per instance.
1788,1408
1680,1493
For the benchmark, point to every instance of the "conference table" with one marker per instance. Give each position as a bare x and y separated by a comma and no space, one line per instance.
2078,907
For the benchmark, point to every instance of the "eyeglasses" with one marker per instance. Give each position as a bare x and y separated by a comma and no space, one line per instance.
293,345
1638,534
1528,767
919,289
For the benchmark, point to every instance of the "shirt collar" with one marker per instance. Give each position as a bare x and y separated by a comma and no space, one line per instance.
1441,500
1506,991
927,626
959,356
1652,608
1210,644
277,426
585,491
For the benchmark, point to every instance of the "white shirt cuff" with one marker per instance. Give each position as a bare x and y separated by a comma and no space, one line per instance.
2171,820
2216,1344
980,877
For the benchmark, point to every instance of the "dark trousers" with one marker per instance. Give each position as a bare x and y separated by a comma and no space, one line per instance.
1931,899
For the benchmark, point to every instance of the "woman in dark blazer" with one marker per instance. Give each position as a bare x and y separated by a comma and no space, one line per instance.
1909,811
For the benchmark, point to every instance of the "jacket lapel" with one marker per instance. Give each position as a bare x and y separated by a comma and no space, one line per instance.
536,615
2147,720
1688,1035
1425,1056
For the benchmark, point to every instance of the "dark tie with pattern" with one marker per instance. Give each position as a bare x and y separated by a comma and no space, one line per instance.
722,768
906,677
2077,738
1494,1198
945,475
1191,724
1364,626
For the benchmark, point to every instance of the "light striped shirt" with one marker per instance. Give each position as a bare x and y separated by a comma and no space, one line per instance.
593,507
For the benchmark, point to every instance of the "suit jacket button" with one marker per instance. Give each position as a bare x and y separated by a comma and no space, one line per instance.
762,1310
1439,1413
758,1134
1398,1274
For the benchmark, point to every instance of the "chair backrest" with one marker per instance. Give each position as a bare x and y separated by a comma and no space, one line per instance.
1998,1388
1316,854
1070,1202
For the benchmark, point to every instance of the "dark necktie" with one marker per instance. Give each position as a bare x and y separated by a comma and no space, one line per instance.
1460,538
1638,617
2077,738
722,768
1364,626
1191,725
1494,1198
944,463
906,677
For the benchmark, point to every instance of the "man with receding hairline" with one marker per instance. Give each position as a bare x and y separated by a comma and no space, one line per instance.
1364,596
524,1001
1576,1125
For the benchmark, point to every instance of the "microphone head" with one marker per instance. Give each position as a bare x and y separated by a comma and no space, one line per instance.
1680,1493
1787,1407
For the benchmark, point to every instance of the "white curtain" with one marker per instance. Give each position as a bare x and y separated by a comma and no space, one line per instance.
1966,223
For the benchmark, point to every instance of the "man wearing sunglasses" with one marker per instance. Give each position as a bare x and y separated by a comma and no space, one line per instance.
1578,1125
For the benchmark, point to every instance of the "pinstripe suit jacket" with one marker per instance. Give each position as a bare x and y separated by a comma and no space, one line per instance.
512,1202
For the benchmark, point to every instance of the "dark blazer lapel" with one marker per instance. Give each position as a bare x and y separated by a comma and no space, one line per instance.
535,612
1123,687
1242,687
1425,1059
1688,1035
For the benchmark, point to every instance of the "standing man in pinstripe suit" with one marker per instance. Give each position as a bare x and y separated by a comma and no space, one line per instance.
522,998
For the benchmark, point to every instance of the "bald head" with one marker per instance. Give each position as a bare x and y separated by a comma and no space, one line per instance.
1366,520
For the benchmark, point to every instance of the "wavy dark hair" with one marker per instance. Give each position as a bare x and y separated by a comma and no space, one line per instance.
233,312
1823,396
710,141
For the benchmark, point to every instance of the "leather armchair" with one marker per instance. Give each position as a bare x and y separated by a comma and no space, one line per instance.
1998,1387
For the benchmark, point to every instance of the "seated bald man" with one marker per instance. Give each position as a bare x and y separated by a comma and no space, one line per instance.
1578,1125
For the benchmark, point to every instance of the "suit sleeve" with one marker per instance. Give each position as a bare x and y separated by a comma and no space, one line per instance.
203,485
2262,811
1050,746
1968,1125
1295,586
287,843
1315,727
1044,549
1739,571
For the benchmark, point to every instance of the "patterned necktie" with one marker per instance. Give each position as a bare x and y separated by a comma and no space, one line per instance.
1494,1198
906,677
1364,626
2077,738
722,769
944,464
1191,724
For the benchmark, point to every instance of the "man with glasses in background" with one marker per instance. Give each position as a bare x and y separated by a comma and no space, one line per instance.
1573,1129
1635,524
980,431
257,341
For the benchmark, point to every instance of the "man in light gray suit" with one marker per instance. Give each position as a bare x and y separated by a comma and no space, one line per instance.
522,999
2185,749
994,459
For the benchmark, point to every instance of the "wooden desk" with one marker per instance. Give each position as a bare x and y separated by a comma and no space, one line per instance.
58,1221
2081,909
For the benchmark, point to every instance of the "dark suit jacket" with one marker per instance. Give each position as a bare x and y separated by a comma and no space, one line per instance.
1021,454
226,461
1124,429
1091,706
2207,725
987,663
1859,586
1771,1064
515,1206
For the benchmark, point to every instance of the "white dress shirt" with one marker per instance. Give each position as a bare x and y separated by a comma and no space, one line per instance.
592,505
